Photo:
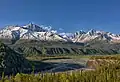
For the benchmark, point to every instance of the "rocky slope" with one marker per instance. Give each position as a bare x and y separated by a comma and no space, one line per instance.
29,48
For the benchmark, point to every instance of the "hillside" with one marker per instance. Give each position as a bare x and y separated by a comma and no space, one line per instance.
12,62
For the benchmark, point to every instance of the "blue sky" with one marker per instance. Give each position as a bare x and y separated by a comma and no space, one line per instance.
68,15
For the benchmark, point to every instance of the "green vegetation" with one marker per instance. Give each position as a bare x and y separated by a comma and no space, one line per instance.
106,73
11,61
43,51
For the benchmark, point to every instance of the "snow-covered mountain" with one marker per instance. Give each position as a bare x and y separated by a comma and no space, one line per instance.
82,36
33,31
30,31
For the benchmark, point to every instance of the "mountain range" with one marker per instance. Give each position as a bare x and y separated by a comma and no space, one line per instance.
37,32
37,40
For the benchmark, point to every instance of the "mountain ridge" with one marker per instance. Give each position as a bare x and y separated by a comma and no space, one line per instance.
36,32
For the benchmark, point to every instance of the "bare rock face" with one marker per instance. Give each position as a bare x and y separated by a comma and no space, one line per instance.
12,62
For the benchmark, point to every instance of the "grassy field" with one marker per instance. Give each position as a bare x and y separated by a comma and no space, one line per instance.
41,58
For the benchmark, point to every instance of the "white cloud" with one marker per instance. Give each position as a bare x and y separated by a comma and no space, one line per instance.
54,31
61,29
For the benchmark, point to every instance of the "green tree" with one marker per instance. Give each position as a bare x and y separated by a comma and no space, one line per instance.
43,51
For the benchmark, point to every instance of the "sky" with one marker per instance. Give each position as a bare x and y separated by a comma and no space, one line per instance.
63,15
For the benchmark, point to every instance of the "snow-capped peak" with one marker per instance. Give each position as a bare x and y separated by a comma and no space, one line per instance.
35,28
30,31
93,34
67,35
80,32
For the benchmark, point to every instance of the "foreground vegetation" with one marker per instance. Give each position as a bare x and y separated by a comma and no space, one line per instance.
107,72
